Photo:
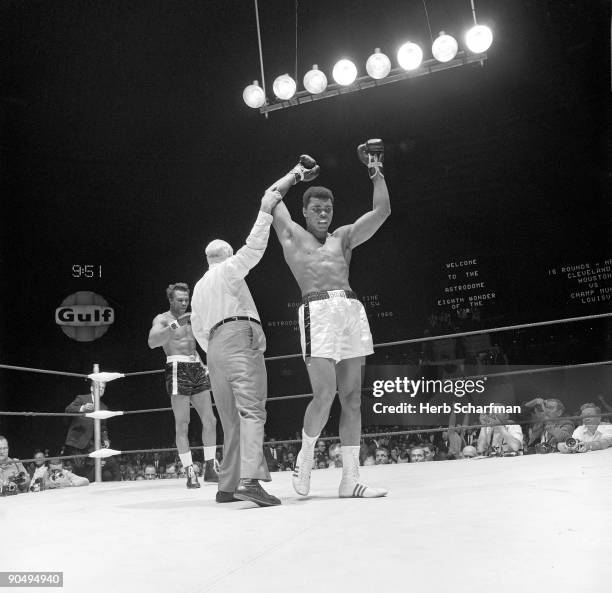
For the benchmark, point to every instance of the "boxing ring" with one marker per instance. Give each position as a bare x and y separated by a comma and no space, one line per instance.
503,523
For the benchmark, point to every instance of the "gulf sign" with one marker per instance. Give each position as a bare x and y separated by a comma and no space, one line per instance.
84,316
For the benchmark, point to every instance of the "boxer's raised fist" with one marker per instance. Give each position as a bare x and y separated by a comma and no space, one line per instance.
372,155
306,169
184,319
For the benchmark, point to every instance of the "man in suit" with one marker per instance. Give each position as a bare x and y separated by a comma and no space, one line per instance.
274,455
80,437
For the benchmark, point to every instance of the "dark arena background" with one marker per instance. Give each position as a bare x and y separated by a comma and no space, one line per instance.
125,147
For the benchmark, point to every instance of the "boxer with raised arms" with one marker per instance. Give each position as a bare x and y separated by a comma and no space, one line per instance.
335,334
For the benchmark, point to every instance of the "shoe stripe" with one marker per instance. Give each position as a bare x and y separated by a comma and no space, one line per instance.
355,495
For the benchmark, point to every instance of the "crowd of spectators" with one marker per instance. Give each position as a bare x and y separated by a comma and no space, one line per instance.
545,429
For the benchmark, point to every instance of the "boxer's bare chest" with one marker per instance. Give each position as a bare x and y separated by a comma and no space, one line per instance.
319,265
181,340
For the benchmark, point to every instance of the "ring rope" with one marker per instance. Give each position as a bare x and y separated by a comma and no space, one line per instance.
470,333
458,427
44,371
381,345
305,395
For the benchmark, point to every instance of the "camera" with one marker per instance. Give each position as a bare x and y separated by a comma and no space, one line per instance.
37,486
18,479
8,488
574,445
544,448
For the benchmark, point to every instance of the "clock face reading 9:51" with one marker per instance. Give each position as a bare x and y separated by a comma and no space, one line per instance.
87,271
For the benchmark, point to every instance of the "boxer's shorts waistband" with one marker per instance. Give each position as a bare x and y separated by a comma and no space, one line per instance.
328,294
183,358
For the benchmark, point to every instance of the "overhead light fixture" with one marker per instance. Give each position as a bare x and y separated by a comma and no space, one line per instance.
315,81
479,39
444,48
284,87
378,65
409,56
344,72
254,95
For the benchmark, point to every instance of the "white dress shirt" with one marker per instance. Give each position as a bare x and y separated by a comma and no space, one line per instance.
222,292
582,433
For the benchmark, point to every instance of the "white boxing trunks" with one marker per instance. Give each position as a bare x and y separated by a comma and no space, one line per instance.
333,324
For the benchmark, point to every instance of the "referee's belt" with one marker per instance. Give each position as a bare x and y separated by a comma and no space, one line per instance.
228,319
328,294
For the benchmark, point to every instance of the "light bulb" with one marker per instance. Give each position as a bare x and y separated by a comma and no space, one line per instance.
410,56
254,95
378,65
315,81
284,87
344,72
479,39
444,48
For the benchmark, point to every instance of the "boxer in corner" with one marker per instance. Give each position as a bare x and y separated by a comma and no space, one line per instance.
186,380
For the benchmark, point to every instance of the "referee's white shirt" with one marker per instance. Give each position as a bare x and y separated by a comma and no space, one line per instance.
222,292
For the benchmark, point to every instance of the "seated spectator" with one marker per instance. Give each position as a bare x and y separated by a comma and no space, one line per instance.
498,436
548,431
369,460
404,457
150,473
58,477
320,452
469,451
382,456
38,463
417,455
273,455
335,455
13,476
171,472
430,450
131,472
158,462
289,462
592,435
321,463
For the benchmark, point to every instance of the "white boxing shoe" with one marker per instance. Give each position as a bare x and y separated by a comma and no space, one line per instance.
352,489
301,473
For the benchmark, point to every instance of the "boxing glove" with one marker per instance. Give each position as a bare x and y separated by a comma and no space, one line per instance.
306,170
372,154
181,321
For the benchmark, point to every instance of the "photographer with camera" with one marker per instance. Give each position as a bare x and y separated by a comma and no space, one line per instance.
13,476
58,477
592,435
498,437
548,431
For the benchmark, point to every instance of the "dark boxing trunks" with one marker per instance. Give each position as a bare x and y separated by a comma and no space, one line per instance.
186,375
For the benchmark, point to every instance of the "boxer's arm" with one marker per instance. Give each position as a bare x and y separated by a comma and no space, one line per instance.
306,170
365,226
160,332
